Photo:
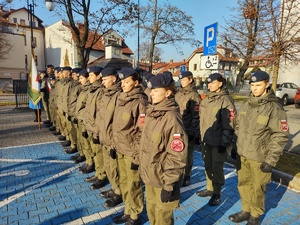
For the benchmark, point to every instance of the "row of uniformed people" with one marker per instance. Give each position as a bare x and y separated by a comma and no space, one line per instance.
218,113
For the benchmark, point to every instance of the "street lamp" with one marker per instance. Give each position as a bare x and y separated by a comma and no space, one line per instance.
30,6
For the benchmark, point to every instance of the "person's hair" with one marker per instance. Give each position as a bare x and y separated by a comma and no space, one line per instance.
172,88
137,77
221,79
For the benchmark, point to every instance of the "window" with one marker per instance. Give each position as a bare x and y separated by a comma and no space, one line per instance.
26,60
32,23
195,66
15,20
22,22
36,60
34,44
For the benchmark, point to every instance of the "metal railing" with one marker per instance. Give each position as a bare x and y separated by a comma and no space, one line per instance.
20,90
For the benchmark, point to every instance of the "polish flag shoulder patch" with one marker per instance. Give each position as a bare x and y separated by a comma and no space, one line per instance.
142,119
177,144
196,108
284,125
231,114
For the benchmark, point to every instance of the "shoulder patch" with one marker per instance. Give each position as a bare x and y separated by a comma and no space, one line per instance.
231,114
284,125
177,144
142,119
196,108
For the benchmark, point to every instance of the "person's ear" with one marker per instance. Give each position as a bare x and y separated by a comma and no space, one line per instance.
168,93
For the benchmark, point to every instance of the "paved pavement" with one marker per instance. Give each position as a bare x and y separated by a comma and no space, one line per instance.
40,185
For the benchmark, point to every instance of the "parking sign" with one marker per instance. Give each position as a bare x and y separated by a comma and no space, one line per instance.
210,39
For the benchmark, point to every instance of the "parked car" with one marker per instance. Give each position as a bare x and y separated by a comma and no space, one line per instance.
297,99
286,92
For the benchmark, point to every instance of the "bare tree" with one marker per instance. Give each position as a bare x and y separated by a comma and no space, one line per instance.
166,24
145,52
280,25
241,33
5,44
98,20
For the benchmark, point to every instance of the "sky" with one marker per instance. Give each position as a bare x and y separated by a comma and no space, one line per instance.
204,13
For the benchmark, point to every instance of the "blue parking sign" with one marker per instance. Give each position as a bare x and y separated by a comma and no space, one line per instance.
182,68
210,39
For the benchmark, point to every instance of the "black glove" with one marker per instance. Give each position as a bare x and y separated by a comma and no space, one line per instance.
197,140
134,166
222,149
96,141
191,138
233,153
266,168
69,118
166,196
75,121
85,134
64,113
113,153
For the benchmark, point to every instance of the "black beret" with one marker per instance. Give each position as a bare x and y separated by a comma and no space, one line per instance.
83,73
57,69
160,80
76,70
49,66
168,73
214,76
66,68
148,76
126,72
42,71
109,71
259,76
51,77
95,69
185,74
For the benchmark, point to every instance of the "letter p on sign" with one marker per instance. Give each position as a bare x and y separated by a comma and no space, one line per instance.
210,39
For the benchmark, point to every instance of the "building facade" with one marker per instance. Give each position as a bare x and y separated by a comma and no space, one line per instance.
17,31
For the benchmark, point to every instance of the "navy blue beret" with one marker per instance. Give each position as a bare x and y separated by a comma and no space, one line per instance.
185,74
49,66
160,80
76,70
259,76
57,69
214,76
168,73
126,72
66,68
51,77
84,73
148,76
95,69
109,71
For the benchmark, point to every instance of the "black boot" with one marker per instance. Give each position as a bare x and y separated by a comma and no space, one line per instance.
239,217
133,222
121,219
107,194
214,200
88,169
74,157
113,201
66,143
98,184
80,159
186,181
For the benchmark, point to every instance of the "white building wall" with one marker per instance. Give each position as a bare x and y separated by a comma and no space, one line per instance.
14,66
58,39
196,59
